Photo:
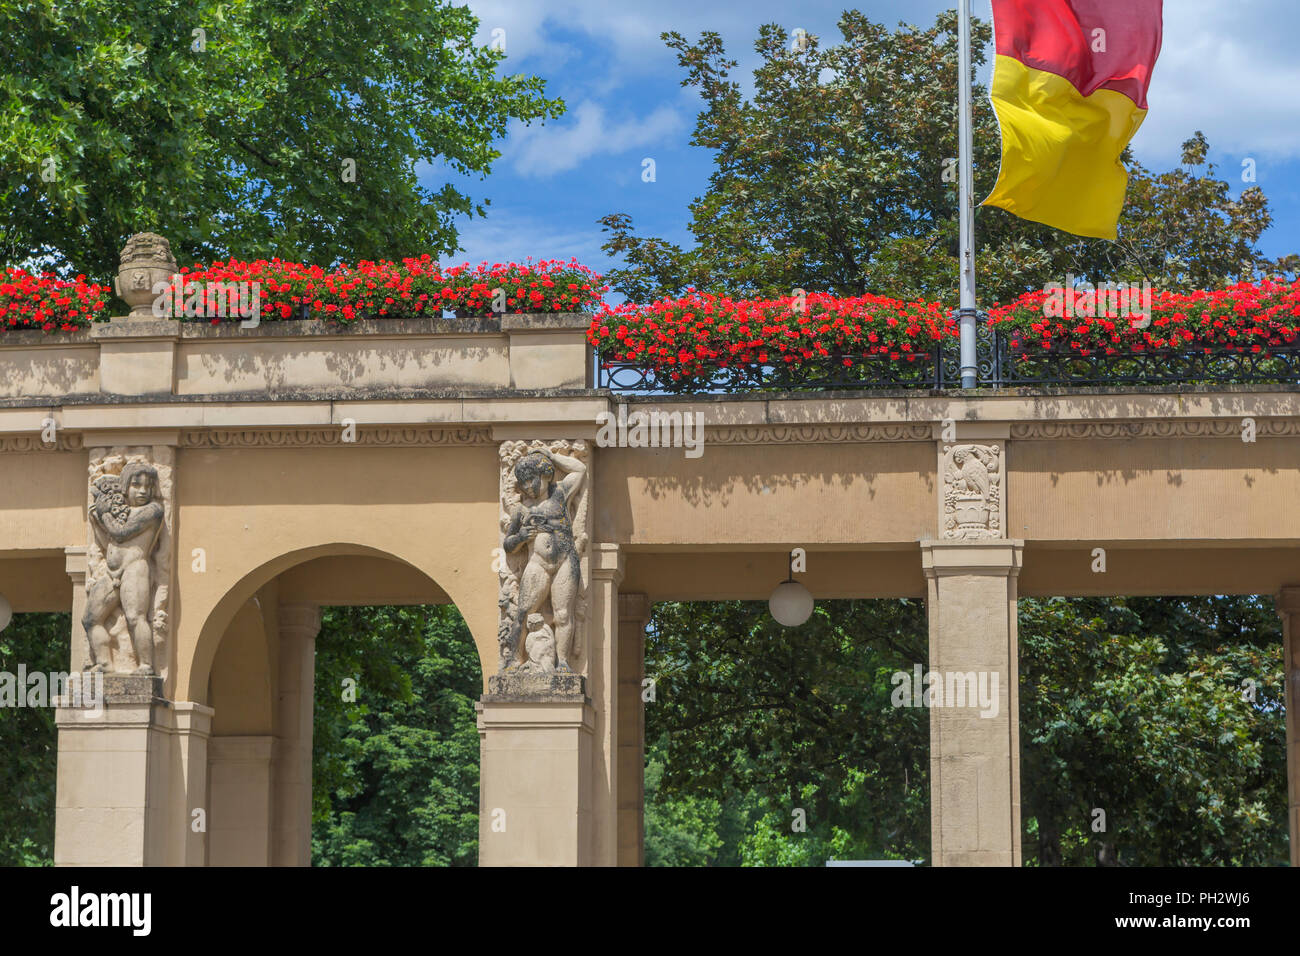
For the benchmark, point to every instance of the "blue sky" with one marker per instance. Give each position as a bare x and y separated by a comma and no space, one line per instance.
1227,68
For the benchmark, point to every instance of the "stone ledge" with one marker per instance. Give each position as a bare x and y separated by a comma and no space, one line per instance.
121,688
136,327
520,686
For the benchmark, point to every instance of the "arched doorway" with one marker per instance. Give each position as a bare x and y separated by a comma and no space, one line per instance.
261,687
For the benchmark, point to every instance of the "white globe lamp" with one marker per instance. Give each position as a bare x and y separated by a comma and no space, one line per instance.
791,603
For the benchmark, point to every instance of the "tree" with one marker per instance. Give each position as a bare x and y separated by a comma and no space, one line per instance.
250,129
395,770
29,741
1141,709
1137,707
764,721
838,176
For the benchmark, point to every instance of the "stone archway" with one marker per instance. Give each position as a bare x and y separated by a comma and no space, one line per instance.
260,687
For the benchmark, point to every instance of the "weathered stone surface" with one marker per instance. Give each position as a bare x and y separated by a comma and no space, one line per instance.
529,321
972,505
132,688
146,261
536,688
128,552
544,494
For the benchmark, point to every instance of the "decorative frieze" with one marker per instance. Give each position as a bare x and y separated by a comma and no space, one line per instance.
27,443
298,437
815,434
1158,428
972,505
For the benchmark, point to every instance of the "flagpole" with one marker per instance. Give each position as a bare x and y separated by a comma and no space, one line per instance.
967,311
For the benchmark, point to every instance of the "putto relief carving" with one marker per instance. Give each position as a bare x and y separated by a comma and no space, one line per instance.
972,491
128,559
543,568
146,260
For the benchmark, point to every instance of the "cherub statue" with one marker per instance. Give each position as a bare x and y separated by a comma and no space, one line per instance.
127,518
543,525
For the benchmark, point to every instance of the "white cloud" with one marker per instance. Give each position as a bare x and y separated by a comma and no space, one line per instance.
1228,69
509,235
585,131
1223,71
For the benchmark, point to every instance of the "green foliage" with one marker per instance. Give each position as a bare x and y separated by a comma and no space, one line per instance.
832,179
239,148
1130,705
757,720
1135,706
395,772
29,742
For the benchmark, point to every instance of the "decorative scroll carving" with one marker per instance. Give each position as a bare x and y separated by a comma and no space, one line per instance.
25,443
544,569
147,259
1157,428
128,558
816,434
972,491
294,437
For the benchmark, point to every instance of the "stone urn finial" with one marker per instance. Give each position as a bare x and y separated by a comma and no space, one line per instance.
146,260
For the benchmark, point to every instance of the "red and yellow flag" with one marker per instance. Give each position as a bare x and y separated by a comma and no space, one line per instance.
1070,90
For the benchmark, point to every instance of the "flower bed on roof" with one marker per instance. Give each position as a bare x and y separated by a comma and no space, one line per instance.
689,337
683,342
49,304
1248,317
412,288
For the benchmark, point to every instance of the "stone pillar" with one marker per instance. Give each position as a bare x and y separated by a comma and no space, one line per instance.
296,683
548,788
605,678
974,756
74,562
535,774
1288,607
241,791
633,614
131,769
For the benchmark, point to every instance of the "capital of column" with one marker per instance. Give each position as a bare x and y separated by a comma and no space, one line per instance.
74,563
990,556
634,608
299,620
1288,601
607,563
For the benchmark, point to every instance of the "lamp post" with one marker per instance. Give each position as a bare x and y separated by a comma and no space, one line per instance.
967,313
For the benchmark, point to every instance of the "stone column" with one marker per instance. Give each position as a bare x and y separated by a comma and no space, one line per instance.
296,682
241,794
74,562
974,753
606,676
633,614
535,775
1288,607
132,767
131,770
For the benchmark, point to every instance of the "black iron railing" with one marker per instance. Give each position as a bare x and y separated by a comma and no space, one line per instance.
1002,363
